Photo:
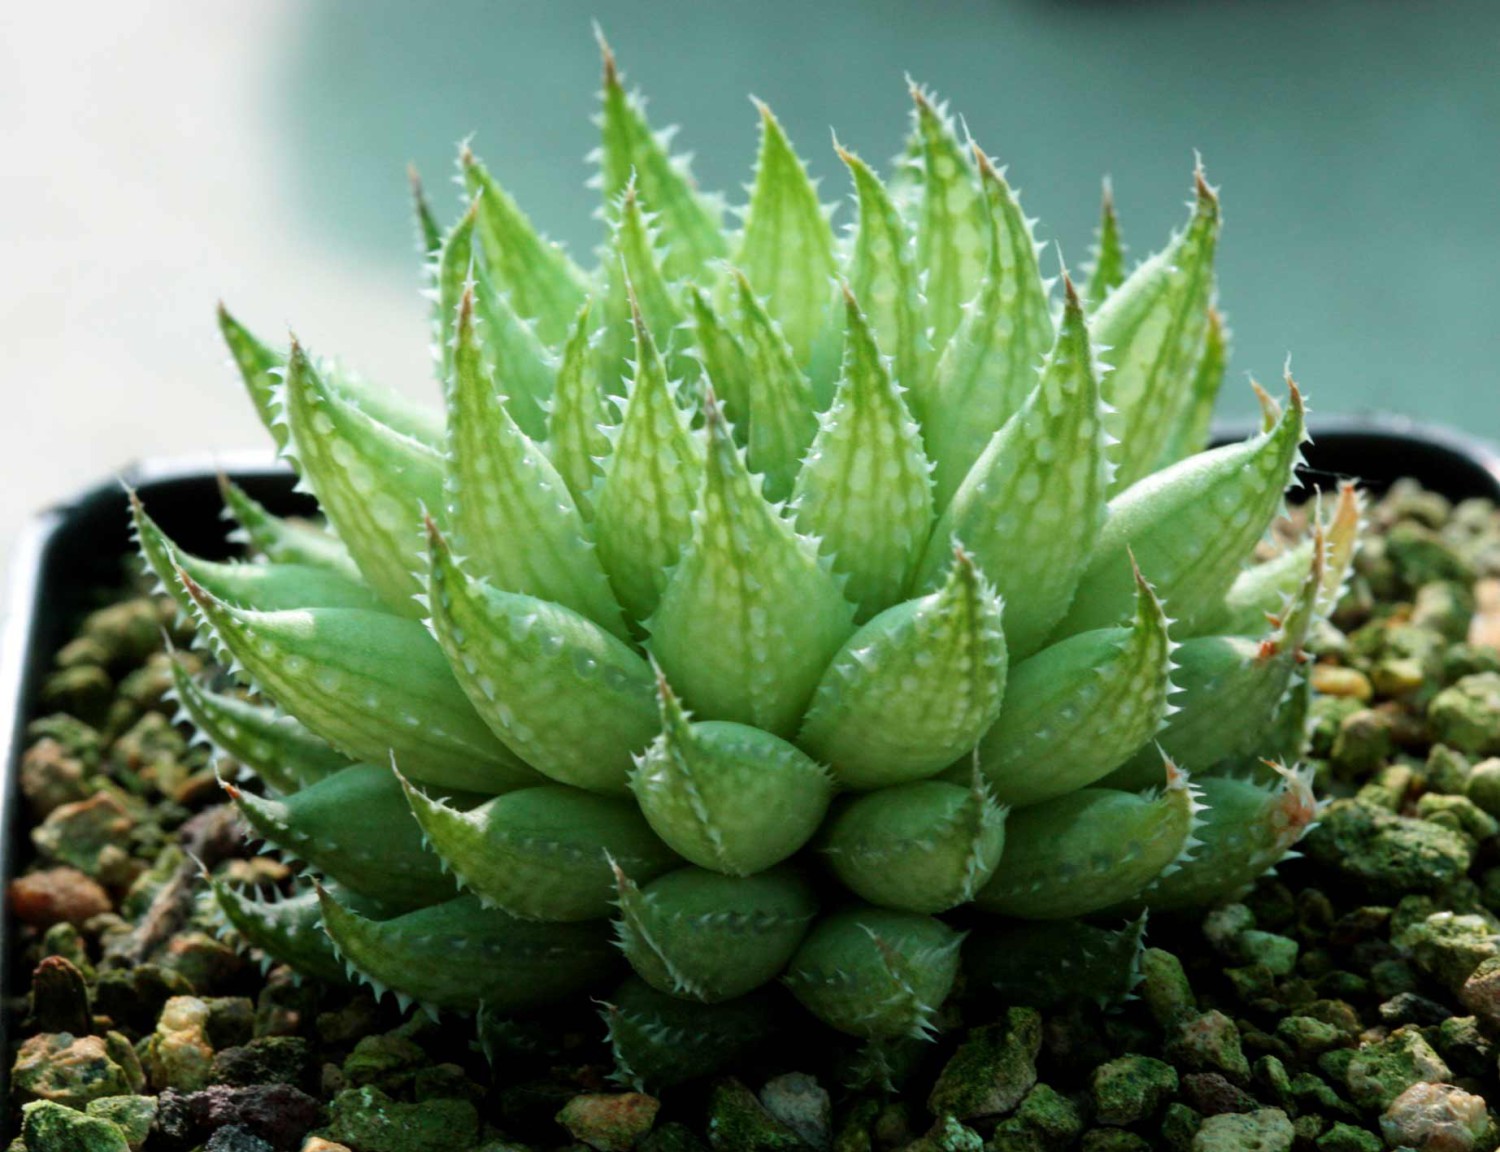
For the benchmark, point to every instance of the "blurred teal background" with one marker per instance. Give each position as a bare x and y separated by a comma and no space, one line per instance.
163,154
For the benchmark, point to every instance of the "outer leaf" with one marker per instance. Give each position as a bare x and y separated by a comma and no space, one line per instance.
724,360
563,694
370,481
913,689
276,748
285,931
1190,526
923,847
1108,269
509,509
989,367
787,247
543,853
1249,828
283,541
643,512
876,973
728,797
371,685
660,1040
513,352
690,222
1091,849
264,587
1078,709
864,489
263,368
1031,507
1191,430
460,955
1154,325
542,283
379,854
1051,963
635,281
578,415
953,225
750,617
883,275
710,937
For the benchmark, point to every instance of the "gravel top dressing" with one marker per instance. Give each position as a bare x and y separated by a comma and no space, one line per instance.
1349,1003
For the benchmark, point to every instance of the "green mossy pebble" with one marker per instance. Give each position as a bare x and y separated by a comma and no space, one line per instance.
68,1070
1165,988
1380,1072
1223,925
367,1119
1363,742
1308,1037
1466,715
1114,1140
1278,953
1264,1130
1448,771
133,1115
992,1070
1312,1092
1210,1042
1272,1077
1392,855
1483,786
1342,1137
1449,947
802,1104
673,1137
610,1121
947,1135
1459,813
388,1061
738,1122
1179,1124
49,1127
1131,1088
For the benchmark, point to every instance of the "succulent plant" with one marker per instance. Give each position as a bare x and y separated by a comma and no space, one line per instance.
772,606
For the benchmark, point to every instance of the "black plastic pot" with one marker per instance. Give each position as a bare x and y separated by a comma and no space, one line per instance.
74,552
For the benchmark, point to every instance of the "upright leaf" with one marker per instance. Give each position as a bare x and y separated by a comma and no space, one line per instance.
543,285
1191,429
510,512
1107,272
283,541
724,360
883,274
690,221
750,617
864,489
787,247
371,482
989,367
1031,507
1154,325
635,279
643,513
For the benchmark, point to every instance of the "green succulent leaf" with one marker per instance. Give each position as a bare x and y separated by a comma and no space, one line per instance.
368,683
1193,428
578,415
883,275
279,750
689,221
660,1040
380,854
1155,325
1091,849
262,369
370,480
875,972
1052,963
728,797
459,955
786,249
1248,828
429,231
1189,526
913,689
864,489
709,937
543,853
1077,710
510,511
543,285
724,360
1031,507
560,692
751,616
1107,271
953,221
989,367
636,283
514,354
284,541
264,587
922,847
780,405
643,513
285,931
